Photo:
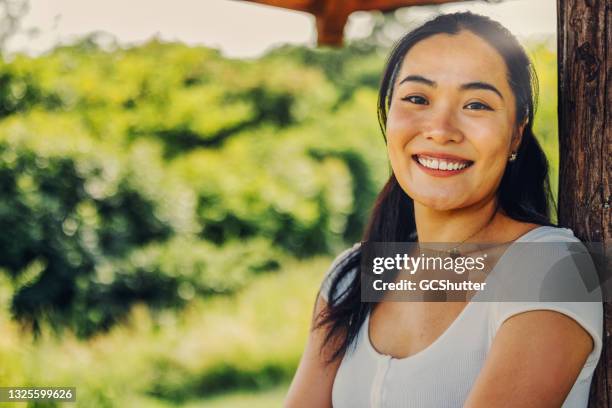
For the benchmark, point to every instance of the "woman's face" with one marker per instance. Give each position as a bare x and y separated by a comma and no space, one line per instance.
451,121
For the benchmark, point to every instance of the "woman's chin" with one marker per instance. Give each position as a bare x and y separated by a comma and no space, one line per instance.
441,202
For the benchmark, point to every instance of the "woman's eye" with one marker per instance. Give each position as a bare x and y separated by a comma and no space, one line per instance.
418,100
477,106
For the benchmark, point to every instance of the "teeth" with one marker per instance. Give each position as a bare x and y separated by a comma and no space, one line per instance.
441,164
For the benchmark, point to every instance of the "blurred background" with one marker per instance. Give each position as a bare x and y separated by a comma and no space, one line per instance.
175,179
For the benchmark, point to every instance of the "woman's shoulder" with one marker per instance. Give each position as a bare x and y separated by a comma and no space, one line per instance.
546,273
337,265
345,256
546,254
548,233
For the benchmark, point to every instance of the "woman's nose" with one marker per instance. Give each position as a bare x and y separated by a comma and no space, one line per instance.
441,127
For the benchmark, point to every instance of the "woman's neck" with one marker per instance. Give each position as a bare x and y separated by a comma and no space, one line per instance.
475,222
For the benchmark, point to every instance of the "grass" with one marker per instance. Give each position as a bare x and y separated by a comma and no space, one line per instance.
219,352
271,397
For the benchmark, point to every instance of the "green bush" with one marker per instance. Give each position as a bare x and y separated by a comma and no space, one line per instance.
64,211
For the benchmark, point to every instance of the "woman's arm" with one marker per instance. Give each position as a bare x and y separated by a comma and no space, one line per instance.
313,380
534,361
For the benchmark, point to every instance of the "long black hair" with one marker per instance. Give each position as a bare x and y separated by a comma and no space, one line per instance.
524,192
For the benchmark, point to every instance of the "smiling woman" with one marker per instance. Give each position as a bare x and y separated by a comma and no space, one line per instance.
464,112
456,107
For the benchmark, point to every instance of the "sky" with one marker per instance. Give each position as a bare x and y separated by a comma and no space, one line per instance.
239,29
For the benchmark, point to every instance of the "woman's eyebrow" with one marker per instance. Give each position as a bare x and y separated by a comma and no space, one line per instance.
481,85
470,85
418,78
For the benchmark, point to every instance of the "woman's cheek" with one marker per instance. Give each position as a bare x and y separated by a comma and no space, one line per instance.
396,158
400,123
397,122
492,152
400,131
490,137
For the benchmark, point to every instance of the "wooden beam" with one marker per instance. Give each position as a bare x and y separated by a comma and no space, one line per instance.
331,16
298,5
390,5
585,142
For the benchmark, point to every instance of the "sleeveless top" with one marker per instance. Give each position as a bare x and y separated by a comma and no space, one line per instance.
443,374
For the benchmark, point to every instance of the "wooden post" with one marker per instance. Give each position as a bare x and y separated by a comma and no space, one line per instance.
585,141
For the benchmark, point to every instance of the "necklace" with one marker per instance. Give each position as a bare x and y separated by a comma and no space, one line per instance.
454,252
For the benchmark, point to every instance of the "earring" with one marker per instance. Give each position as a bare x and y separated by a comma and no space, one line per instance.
512,157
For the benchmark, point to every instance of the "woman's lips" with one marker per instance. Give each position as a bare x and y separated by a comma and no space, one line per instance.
441,165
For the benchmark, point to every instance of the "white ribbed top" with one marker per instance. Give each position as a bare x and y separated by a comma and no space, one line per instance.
442,374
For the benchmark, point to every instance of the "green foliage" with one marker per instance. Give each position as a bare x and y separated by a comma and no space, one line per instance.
157,358
356,66
65,211
167,275
269,186
90,236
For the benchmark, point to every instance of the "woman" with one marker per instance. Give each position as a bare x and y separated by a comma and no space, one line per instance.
456,107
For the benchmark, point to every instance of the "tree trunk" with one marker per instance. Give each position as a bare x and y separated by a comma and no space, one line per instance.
585,142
